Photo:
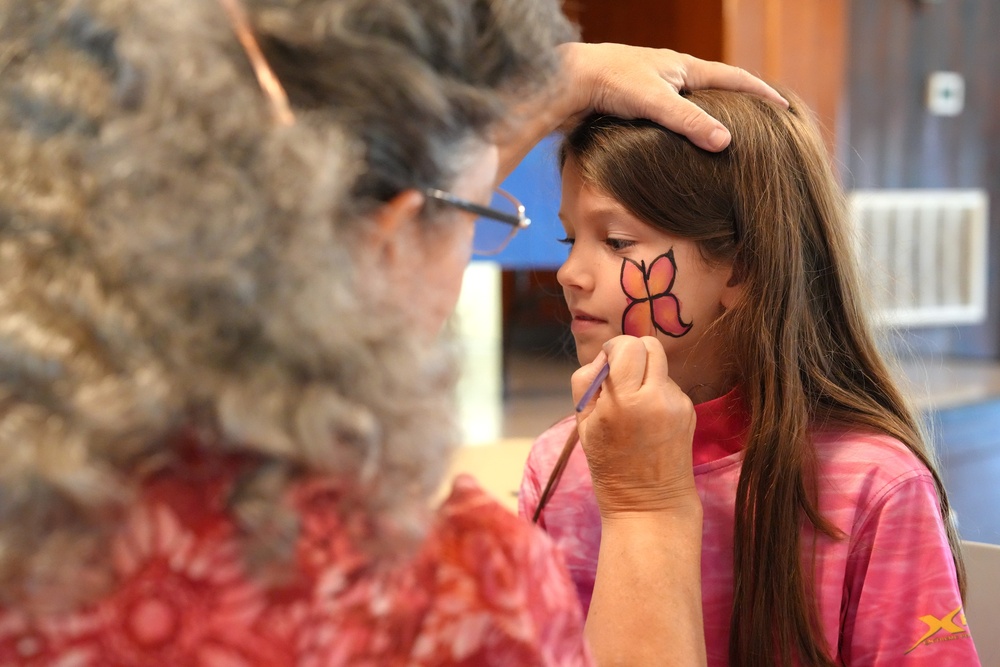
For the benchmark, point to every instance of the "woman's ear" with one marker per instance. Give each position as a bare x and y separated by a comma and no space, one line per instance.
397,223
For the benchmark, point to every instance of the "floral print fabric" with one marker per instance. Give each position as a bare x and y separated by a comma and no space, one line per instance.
483,589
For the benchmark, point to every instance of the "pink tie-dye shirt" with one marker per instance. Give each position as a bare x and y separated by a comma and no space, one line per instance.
888,593
484,588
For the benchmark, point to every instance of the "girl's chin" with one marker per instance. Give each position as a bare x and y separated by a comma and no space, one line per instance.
587,351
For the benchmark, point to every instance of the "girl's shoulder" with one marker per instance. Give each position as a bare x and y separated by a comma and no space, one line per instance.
861,473
865,450
872,479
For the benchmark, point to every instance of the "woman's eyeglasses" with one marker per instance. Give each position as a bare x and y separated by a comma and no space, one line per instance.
497,223
281,110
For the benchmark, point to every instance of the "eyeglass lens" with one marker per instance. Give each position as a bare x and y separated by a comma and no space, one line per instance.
491,235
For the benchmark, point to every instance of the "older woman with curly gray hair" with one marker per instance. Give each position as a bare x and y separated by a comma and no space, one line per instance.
225,395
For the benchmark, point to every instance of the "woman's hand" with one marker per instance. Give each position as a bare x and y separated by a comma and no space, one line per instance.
646,606
637,433
637,82
630,82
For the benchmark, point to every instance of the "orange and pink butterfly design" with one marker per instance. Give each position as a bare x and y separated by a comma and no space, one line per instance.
651,306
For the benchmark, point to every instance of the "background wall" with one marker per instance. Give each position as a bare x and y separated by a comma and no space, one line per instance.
887,139
795,43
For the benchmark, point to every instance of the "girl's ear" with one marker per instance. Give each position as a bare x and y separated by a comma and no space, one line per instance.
397,223
733,291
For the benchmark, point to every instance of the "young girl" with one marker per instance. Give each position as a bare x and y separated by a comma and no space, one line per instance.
827,535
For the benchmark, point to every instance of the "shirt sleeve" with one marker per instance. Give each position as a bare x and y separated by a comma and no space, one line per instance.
502,594
902,601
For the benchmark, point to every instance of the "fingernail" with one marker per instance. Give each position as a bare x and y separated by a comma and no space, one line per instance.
719,138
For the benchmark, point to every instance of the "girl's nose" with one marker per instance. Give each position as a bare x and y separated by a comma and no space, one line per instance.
573,272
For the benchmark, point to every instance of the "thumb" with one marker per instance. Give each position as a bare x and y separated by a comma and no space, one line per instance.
583,381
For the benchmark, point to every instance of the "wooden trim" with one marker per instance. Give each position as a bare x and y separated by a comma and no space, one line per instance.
797,44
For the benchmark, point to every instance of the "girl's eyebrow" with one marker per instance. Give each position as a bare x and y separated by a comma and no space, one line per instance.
601,214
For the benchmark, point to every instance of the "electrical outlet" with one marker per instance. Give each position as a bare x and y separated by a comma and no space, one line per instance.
945,93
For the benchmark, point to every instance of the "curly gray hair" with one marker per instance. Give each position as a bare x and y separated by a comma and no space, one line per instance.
171,260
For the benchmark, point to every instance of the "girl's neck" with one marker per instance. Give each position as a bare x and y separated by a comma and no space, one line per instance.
704,392
701,372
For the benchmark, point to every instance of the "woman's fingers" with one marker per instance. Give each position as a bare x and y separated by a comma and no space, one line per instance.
638,82
627,358
701,74
637,433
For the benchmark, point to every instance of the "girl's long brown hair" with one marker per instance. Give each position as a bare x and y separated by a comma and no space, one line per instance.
803,352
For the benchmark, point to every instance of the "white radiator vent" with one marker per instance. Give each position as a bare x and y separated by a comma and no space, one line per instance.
923,253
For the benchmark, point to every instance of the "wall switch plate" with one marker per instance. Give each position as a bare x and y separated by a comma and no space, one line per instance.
945,93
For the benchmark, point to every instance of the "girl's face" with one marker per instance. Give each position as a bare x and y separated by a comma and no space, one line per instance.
626,276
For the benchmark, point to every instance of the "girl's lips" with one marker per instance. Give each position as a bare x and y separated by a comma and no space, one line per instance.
583,322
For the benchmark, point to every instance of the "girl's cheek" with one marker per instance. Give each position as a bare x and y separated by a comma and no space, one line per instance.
624,302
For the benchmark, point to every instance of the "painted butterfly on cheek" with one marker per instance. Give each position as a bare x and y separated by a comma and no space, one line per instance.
651,307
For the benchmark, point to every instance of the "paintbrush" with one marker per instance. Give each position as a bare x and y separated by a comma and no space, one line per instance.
602,375
570,445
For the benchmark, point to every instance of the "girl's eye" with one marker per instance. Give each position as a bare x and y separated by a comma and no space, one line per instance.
619,244
566,241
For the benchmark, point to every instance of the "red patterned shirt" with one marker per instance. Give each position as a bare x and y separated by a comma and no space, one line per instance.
484,588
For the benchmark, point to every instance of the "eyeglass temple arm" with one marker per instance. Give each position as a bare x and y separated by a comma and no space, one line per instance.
266,77
518,221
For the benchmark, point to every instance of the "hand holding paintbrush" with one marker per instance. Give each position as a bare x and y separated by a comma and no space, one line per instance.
636,426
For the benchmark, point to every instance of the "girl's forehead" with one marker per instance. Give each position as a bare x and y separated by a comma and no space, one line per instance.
588,204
